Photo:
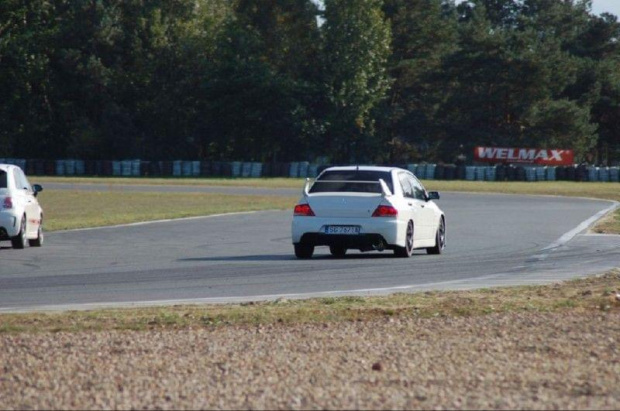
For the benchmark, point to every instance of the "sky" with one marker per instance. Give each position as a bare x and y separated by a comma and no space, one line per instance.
606,6
600,6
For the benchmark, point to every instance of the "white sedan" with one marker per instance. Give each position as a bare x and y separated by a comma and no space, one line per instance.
368,208
21,217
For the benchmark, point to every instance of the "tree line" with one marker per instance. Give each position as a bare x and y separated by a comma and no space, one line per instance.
383,81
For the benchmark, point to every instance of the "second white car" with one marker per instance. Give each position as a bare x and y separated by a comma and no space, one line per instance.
21,216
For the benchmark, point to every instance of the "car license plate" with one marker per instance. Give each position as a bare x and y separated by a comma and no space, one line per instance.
342,229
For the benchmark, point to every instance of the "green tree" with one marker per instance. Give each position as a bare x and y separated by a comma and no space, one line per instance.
289,33
598,83
180,45
27,30
423,34
257,107
560,123
356,51
514,72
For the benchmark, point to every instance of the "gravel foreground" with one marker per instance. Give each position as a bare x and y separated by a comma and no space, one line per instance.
563,360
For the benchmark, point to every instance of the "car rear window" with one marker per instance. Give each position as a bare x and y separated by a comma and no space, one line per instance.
3,179
351,181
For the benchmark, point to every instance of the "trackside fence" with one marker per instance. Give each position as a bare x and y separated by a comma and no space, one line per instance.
181,168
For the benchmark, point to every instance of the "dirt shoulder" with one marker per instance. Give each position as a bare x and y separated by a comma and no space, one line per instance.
544,347
564,360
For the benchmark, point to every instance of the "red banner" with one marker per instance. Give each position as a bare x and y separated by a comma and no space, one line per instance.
540,156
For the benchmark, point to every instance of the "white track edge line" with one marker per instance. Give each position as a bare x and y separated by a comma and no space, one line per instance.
240,299
566,237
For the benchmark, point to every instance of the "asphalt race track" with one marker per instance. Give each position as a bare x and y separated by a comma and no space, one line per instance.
492,240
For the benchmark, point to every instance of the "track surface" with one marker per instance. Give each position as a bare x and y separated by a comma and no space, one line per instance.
492,240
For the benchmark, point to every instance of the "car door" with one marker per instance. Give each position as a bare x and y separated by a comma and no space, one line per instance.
413,209
427,212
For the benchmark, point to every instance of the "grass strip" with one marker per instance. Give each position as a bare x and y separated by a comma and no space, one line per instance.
593,293
608,191
74,209
263,182
605,191
610,224
79,209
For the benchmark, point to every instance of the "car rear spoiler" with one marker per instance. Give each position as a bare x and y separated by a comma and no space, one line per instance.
385,190
306,187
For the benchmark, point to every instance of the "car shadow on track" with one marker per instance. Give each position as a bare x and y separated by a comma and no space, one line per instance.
264,257
289,257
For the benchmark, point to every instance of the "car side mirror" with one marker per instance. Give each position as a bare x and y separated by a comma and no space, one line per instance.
432,195
37,189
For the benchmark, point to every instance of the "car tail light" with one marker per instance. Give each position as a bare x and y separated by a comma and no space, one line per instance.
385,211
303,210
8,202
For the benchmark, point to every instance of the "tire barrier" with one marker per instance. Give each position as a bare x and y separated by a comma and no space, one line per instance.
246,170
420,171
530,174
490,174
593,174
236,168
293,170
440,172
126,168
303,169
313,170
430,171
470,173
116,168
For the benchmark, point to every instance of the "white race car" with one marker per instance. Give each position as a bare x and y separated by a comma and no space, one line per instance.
368,208
21,217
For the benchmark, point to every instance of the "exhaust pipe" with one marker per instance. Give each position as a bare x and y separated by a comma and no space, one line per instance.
380,246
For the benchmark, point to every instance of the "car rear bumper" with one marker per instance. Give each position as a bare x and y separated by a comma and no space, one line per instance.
311,230
9,226
365,242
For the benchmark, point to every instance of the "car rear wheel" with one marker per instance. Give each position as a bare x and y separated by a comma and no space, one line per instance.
303,251
19,241
37,242
337,251
440,239
407,250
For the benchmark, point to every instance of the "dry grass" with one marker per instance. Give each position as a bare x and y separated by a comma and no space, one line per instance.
582,295
177,181
74,209
78,209
608,225
607,191
610,191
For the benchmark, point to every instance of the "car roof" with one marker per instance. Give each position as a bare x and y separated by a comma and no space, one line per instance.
363,168
5,167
